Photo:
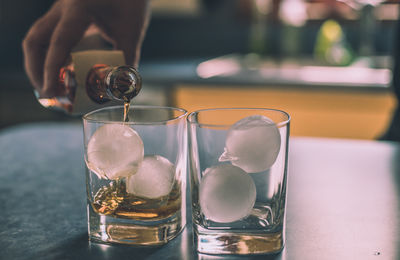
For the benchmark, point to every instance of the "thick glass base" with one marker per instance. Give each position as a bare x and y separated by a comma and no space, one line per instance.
105,229
225,242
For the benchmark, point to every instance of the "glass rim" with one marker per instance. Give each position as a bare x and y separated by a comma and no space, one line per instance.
191,122
86,117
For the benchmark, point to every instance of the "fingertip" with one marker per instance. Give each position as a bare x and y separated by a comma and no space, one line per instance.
130,50
131,59
50,86
35,44
66,35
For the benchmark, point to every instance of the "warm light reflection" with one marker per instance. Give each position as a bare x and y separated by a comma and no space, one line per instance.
144,215
346,75
47,102
56,102
102,247
387,12
263,6
354,76
332,31
218,67
103,231
184,245
293,12
349,75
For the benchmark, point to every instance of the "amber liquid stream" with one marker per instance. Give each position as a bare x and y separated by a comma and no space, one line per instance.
127,104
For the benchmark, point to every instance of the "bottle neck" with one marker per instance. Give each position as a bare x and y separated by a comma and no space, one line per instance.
104,83
123,83
96,86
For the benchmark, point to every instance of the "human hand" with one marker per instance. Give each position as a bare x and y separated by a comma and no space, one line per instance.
51,38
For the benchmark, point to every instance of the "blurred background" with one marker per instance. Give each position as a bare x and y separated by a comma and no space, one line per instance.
326,62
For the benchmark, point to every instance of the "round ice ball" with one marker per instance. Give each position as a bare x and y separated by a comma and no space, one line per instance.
252,144
227,193
154,178
114,151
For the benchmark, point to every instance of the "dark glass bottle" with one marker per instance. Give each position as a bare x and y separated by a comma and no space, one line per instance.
102,84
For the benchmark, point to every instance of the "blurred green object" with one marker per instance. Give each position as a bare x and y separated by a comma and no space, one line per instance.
331,45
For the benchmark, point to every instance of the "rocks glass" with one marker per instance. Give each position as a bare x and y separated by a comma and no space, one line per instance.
238,169
135,174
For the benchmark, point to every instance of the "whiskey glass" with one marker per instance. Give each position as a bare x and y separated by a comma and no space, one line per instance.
135,174
238,171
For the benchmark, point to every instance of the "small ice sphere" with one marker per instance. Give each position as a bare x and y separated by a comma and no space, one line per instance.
227,193
252,144
114,151
154,178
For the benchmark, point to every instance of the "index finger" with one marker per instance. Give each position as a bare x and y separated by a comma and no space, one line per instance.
35,45
66,35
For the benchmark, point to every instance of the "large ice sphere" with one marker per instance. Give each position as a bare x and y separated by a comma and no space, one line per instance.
227,193
252,144
114,151
154,178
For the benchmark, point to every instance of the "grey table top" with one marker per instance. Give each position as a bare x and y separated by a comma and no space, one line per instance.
343,200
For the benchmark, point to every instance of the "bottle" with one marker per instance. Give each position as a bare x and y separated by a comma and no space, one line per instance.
94,79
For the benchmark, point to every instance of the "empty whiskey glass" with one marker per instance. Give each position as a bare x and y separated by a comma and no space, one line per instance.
238,171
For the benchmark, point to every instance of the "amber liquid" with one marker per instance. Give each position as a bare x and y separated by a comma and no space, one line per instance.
114,201
127,104
154,221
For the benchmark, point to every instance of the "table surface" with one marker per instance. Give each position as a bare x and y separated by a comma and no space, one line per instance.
343,200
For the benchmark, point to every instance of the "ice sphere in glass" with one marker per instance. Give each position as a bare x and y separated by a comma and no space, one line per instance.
227,193
252,144
154,178
114,151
